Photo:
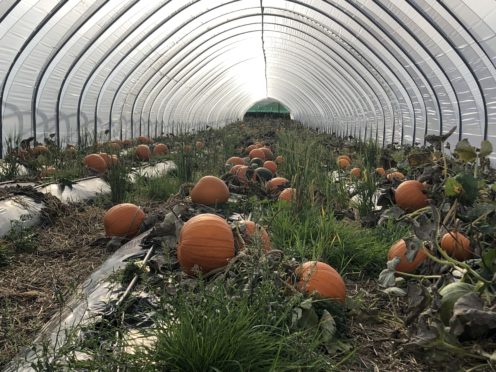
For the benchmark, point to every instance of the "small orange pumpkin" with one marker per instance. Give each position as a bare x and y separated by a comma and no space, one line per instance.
345,157
276,183
252,232
160,149
127,143
114,159
398,176
95,163
234,169
123,220
200,145
48,171
287,194
399,249
356,172
144,140
279,159
409,196
270,165
114,146
343,163
210,190
315,276
257,153
249,148
380,171
456,245
40,149
235,160
143,152
268,153
206,242
187,149
107,158
243,173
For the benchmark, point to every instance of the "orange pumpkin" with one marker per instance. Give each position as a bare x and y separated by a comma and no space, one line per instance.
114,146
144,140
409,196
343,163
48,171
123,220
70,151
107,158
279,159
276,183
40,149
235,160
380,171
287,194
257,153
160,149
399,249
252,232
235,168
398,176
115,159
143,152
210,190
270,165
356,172
127,143
187,149
243,173
249,148
199,145
345,157
95,163
319,277
456,245
268,153
206,242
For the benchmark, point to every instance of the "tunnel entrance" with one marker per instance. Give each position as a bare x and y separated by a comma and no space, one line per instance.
268,108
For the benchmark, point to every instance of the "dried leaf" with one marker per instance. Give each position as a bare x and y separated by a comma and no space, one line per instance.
328,326
470,321
395,291
465,151
450,294
387,276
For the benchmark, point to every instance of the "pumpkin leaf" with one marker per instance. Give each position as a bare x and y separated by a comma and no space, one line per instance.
465,151
452,187
486,148
470,187
450,294
470,319
395,291
387,276
328,326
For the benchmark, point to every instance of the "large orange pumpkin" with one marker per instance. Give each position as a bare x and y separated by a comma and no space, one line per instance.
409,196
210,190
456,245
243,173
287,194
160,149
95,163
234,169
143,152
315,276
107,158
276,183
399,249
249,148
356,172
123,220
206,242
270,165
251,232
257,153
235,160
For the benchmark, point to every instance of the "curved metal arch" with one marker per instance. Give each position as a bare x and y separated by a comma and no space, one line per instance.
407,57
111,50
418,41
462,57
312,36
364,44
85,50
3,83
47,65
140,93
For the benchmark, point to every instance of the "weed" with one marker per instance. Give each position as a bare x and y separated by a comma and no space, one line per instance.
118,179
21,238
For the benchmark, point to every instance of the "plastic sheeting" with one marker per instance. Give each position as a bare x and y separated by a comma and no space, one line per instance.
390,70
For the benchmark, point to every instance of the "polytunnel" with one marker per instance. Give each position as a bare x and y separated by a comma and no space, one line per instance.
393,71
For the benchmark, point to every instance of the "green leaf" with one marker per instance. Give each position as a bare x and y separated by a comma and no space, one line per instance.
470,187
452,187
486,148
450,294
465,151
